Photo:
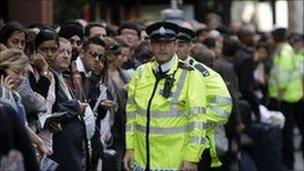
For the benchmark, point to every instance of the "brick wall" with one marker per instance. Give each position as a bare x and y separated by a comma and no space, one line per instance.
31,11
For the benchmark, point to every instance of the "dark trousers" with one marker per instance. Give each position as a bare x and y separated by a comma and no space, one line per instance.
299,120
293,113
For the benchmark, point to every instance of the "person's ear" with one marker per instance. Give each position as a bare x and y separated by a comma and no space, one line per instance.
149,45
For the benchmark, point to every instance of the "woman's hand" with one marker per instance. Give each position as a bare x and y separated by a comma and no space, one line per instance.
7,82
43,149
41,64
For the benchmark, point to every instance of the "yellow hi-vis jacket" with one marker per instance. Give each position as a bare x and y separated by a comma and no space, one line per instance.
285,74
163,132
219,104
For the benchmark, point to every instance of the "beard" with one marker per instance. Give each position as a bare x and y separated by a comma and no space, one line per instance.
75,54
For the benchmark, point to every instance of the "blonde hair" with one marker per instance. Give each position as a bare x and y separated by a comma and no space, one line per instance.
13,59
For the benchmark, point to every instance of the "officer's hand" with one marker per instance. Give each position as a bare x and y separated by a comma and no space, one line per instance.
128,160
189,166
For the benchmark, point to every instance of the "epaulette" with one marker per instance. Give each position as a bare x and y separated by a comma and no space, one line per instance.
185,66
202,69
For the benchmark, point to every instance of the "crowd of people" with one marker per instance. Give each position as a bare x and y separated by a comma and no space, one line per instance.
93,96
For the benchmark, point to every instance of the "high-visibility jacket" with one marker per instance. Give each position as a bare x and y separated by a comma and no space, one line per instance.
285,74
300,58
163,132
219,104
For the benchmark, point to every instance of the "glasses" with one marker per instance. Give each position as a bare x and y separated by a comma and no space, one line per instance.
97,56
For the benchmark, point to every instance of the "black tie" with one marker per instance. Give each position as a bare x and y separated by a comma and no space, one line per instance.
160,70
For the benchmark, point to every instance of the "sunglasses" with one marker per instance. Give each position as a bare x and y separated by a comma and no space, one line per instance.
97,56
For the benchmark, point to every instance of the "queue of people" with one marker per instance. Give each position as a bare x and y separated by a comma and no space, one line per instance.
146,96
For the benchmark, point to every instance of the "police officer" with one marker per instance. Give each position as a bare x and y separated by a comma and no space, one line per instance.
219,102
165,127
285,89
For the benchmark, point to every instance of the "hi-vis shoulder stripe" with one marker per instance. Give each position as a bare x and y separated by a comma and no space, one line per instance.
179,87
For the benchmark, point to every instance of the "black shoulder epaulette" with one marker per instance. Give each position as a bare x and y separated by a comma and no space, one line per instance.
191,62
185,66
202,69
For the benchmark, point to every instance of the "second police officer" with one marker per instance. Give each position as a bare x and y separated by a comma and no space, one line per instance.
219,102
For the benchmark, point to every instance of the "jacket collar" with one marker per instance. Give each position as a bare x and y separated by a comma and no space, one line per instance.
166,66
81,68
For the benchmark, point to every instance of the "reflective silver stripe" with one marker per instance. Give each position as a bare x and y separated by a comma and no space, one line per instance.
173,113
130,128
179,87
140,70
199,125
219,111
137,167
168,130
160,114
131,100
220,99
197,110
131,115
173,130
198,140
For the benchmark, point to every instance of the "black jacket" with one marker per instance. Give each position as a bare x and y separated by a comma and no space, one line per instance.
244,68
69,145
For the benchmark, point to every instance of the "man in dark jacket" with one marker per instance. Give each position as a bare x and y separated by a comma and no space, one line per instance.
224,66
70,145
244,67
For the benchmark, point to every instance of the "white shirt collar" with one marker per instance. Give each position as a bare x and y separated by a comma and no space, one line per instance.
164,67
187,60
81,68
